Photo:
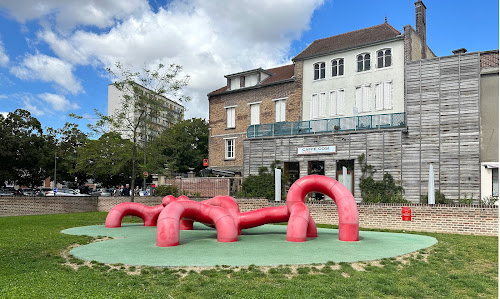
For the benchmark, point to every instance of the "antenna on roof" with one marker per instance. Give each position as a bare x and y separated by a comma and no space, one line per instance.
385,19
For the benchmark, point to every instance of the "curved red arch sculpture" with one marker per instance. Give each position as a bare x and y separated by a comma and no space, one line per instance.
175,214
148,214
346,206
167,233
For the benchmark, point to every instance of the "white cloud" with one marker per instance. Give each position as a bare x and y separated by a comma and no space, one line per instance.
58,102
4,59
48,69
70,14
208,38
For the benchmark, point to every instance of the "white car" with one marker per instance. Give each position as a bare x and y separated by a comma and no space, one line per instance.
65,192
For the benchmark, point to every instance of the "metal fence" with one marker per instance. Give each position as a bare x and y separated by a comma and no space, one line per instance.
393,120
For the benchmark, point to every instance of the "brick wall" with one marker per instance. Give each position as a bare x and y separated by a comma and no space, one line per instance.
456,219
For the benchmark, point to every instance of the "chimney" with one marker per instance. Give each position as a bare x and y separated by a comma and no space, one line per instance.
420,24
459,51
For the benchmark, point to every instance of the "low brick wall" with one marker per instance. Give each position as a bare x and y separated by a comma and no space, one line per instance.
18,205
455,219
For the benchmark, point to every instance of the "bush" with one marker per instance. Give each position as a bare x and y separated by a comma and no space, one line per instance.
385,191
489,200
165,190
439,198
261,185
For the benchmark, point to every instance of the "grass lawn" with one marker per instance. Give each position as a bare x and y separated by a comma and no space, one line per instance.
32,266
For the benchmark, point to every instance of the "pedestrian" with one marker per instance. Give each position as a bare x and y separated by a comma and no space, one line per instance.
126,190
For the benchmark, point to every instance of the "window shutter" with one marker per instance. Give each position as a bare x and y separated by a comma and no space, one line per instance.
314,106
388,95
379,96
333,103
283,110
359,98
254,114
366,98
230,117
322,105
340,102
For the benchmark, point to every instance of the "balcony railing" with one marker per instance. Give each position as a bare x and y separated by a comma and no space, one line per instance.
364,122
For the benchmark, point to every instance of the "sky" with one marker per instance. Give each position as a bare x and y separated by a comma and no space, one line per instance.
54,53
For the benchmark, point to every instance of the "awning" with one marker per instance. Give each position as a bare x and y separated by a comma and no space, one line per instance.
491,165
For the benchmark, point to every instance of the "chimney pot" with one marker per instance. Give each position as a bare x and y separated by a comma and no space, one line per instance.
459,51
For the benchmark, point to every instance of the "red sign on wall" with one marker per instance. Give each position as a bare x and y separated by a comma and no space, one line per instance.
406,213
205,162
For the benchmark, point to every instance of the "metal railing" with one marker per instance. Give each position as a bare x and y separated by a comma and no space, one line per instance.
363,122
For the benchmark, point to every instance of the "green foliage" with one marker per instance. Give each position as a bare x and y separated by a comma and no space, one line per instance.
165,190
489,200
25,153
385,191
439,198
180,147
262,185
466,200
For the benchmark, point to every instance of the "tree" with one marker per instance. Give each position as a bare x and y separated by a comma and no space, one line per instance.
142,99
24,149
108,159
180,147
66,142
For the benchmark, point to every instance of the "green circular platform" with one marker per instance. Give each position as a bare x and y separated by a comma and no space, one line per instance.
262,246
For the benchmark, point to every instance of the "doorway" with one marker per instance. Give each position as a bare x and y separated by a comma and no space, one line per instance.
316,167
349,164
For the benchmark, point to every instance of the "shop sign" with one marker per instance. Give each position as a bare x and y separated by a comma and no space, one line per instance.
317,150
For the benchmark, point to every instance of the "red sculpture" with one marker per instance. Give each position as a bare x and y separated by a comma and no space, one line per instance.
222,212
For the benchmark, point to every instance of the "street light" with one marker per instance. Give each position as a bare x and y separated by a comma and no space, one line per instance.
55,170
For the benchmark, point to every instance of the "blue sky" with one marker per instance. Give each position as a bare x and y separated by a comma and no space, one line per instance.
53,53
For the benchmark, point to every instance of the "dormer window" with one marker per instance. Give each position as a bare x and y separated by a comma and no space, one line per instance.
338,67
363,62
384,58
319,70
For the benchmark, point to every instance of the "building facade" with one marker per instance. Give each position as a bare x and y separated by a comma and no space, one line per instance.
385,95
167,112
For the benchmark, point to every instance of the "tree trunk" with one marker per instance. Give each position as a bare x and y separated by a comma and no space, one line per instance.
132,183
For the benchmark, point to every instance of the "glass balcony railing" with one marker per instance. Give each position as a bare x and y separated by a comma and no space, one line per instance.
363,122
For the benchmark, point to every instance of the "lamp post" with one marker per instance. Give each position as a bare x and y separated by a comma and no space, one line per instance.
55,170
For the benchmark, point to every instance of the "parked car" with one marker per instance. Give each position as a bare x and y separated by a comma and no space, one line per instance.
28,192
103,192
65,192
6,192
42,191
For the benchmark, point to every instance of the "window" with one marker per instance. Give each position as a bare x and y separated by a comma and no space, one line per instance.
363,96
363,62
338,67
383,96
319,70
337,102
254,114
229,149
280,110
230,113
384,58
494,179
318,105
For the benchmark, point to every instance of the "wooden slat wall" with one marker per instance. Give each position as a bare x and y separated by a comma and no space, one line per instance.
443,123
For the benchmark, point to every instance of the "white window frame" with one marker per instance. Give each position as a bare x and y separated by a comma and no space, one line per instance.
280,109
230,142
254,119
338,60
318,105
363,59
230,117
384,58
319,64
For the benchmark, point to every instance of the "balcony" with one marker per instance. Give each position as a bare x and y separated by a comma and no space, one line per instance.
364,122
